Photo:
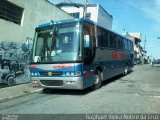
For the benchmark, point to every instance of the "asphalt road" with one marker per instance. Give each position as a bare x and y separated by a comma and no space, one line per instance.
138,92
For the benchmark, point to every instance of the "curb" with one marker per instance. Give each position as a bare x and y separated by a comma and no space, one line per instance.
19,96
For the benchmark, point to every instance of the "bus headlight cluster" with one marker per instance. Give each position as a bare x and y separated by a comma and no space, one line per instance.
34,74
76,73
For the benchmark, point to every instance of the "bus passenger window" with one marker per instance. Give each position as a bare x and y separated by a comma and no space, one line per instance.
125,43
113,43
119,42
102,37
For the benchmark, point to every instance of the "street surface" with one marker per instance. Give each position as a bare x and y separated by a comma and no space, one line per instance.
138,92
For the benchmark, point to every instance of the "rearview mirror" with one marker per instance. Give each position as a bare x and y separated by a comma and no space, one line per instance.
25,47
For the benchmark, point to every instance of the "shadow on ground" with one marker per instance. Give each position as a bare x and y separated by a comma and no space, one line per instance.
66,91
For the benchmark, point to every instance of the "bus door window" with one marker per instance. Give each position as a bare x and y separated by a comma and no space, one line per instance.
86,41
87,47
89,42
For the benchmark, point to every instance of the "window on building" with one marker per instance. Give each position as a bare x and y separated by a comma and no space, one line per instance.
10,12
88,16
76,15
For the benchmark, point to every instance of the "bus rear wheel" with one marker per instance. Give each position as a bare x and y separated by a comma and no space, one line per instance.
125,71
97,81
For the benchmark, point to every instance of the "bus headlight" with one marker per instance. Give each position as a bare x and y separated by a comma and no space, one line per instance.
68,73
76,73
72,73
34,74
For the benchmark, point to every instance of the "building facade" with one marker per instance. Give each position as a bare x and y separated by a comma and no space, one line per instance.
18,18
138,49
95,12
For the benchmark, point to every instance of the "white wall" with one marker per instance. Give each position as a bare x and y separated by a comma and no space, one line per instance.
98,14
94,13
35,12
104,19
70,9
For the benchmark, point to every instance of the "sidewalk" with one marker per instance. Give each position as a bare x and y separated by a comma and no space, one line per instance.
14,92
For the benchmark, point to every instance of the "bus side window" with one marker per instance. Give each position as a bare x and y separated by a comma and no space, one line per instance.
102,37
112,40
132,49
129,45
119,42
125,44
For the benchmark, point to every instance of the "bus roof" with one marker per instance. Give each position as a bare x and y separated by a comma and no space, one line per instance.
65,21
52,23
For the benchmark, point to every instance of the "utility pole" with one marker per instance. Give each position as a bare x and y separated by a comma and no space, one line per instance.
145,42
85,8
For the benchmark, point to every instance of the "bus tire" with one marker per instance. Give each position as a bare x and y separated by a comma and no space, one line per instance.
97,81
125,71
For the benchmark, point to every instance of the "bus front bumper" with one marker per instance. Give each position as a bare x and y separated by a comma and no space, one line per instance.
59,82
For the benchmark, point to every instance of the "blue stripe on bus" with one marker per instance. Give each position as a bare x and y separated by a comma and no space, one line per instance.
78,68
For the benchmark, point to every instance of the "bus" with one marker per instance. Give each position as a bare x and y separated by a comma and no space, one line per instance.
77,54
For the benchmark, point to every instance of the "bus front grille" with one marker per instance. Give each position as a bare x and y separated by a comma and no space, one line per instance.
52,82
51,73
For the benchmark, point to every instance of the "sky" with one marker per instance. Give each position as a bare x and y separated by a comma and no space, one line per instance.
141,16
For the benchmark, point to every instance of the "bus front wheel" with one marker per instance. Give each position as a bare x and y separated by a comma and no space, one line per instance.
97,81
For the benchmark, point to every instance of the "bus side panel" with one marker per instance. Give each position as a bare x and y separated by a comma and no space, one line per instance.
88,75
113,61
109,65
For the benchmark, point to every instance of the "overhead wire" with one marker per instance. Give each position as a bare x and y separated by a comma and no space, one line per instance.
133,7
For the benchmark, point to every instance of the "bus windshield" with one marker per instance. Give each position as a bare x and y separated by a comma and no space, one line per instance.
60,43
